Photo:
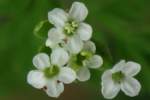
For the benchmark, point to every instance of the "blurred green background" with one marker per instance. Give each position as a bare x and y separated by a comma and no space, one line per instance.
121,31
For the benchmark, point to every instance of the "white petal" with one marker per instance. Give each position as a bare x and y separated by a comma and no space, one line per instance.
83,74
36,79
110,89
75,44
78,11
41,61
59,57
118,67
55,36
67,75
107,75
131,68
94,62
89,46
60,87
85,31
131,86
51,44
54,89
58,17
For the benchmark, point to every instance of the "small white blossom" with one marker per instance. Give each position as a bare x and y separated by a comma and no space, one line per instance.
84,60
69,28
51,72
120,77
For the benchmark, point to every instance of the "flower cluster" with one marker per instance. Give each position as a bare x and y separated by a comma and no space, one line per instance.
74,54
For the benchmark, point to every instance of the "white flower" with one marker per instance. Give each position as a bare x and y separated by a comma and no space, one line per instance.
84,60
120,77
69,28
51,73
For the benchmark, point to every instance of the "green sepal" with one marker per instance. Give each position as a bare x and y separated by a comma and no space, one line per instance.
41,29
45,49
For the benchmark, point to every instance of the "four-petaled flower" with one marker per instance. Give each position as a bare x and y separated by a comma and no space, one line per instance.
84,60
51,73
120,77
70,31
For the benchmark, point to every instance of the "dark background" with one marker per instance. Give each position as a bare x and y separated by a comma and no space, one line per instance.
121,31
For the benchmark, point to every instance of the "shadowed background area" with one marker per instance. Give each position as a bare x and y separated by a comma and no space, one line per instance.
121,31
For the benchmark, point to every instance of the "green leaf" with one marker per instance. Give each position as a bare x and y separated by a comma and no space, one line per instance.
41,29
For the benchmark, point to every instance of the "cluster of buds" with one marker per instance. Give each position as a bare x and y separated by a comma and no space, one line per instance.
72,56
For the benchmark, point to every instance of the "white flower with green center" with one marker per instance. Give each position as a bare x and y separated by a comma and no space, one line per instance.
120,77
51,73
69,28
84,60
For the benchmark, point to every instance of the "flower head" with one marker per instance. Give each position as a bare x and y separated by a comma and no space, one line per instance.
51,72
120,77
84,60
70,30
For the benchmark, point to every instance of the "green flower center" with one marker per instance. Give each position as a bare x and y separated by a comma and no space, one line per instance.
83,56
51,71
70,27
77,60
118,76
